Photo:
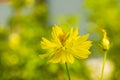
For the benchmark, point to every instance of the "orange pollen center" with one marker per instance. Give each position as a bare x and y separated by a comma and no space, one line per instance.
62,37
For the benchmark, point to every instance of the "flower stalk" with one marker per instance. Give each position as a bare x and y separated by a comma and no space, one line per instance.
103,67
68,74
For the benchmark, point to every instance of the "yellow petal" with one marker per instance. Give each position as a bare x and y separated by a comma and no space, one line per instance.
69,58
75,32
46,44
62,57
79,52
55,57
83,38
73,35
56,31
84,45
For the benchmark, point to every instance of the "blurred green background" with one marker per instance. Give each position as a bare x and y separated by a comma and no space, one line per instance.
24,22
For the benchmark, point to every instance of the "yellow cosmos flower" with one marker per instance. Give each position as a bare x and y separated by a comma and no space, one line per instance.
105,40
63,47
14,40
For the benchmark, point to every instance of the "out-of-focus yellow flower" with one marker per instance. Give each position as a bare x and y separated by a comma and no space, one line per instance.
10,59
63,47
105,41
14,41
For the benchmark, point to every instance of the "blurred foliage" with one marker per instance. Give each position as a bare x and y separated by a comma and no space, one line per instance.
20,40
105,14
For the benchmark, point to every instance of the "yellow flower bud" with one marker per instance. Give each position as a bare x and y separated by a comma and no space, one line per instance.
105,41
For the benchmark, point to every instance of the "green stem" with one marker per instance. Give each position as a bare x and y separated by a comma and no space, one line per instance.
104,61
67,71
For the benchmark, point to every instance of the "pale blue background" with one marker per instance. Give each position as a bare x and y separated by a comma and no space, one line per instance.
56,9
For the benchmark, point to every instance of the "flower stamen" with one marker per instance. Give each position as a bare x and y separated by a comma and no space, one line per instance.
62,38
